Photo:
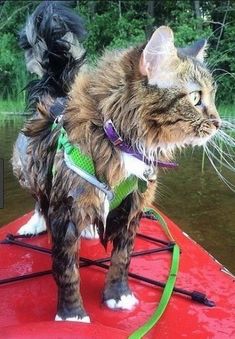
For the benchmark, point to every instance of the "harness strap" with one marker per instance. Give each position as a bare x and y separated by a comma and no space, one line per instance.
74,154
88,177
169,287
83,165
113,136
58,106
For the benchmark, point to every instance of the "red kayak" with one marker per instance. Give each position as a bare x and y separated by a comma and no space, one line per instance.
28,306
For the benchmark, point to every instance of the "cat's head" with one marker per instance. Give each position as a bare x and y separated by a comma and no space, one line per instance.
179,95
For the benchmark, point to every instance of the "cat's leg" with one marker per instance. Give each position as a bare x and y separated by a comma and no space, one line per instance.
65,237
36,223
117,293
20,160
91,231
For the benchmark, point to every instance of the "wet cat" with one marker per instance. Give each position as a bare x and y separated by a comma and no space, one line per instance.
126,115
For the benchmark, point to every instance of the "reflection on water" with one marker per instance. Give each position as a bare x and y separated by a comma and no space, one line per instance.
200,204
16,200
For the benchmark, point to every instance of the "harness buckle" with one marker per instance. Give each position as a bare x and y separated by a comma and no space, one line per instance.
58,119
117,142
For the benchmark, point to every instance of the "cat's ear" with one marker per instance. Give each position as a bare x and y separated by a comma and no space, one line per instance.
196,50
158,53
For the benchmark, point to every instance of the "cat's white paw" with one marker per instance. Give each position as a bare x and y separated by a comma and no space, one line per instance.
35,225
126,302
85,319
90,232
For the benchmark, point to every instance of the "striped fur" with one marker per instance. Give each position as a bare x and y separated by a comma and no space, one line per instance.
149,115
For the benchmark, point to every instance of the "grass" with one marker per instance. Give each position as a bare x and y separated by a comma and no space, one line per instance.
13,107
9,106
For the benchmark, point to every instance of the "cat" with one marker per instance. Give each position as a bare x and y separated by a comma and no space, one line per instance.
155,98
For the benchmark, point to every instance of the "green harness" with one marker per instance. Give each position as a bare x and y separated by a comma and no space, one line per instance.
82,162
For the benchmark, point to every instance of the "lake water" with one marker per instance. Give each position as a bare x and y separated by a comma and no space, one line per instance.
199,203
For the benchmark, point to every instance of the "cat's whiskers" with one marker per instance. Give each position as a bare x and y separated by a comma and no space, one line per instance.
214,60
226,181
226,153
228,124
220,151
222,156
225,72
226,138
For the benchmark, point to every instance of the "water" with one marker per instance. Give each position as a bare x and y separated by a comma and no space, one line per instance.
16,200
201,204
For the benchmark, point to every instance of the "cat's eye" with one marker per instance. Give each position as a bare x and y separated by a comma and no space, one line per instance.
195,98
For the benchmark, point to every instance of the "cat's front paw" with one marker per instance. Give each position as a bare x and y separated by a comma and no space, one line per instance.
77,314
84,319
119,296
125,302
34,226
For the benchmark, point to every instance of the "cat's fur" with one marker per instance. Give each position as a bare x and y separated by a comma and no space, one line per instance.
145,91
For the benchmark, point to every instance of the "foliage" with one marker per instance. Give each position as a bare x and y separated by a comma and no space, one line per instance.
119,24
113,27
14,107
13,74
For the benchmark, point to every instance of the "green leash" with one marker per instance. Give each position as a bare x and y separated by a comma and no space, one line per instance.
140,332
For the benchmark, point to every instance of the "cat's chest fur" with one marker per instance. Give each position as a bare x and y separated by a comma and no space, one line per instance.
134,166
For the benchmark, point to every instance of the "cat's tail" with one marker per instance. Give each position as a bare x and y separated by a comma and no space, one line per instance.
51,41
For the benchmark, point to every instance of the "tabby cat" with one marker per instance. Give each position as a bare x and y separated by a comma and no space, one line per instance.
157,97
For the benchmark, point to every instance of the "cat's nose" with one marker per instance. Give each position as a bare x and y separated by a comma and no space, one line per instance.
215,121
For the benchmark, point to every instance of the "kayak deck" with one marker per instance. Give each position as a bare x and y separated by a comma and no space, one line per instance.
28,307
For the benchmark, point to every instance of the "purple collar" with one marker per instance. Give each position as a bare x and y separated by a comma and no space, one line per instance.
117,141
